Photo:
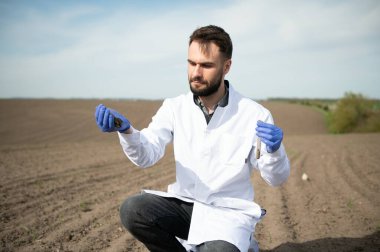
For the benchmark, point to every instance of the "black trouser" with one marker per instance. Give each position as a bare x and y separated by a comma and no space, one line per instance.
157,221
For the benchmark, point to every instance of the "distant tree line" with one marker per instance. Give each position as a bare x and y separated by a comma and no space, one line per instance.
354,113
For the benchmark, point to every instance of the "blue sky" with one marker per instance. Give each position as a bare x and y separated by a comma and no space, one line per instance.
138,49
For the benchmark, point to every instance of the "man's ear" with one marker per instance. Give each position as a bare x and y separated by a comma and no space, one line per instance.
227,66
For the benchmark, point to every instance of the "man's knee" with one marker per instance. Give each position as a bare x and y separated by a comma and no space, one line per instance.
215,246
129,212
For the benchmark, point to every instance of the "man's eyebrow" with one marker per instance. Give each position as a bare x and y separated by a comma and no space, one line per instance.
201,63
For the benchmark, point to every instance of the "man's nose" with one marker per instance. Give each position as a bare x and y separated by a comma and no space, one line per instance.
197,72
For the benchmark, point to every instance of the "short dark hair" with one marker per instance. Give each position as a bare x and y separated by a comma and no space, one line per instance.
211,33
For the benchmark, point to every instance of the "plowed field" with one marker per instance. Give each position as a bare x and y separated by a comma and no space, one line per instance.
62,181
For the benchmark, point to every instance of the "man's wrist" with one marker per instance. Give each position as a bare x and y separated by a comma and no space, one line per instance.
127,131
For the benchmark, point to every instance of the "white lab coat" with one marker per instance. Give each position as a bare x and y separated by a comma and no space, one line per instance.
213,163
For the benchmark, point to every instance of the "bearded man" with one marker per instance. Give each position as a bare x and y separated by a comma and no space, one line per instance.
214,130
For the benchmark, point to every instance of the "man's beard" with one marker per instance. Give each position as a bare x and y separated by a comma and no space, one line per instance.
211,87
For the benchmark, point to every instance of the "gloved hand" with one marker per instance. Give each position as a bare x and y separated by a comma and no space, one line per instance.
269,134
105,119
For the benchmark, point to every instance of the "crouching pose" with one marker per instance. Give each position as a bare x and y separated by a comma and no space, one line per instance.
214,130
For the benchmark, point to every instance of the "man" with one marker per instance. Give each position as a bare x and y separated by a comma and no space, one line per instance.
214,130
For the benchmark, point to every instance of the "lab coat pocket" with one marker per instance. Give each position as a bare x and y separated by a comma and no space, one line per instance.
234,150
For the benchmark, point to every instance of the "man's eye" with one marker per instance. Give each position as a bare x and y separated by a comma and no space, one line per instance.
207,66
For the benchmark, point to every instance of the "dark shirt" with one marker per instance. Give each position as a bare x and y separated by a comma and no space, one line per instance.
222,103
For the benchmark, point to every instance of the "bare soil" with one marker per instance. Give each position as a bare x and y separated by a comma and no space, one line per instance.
62,181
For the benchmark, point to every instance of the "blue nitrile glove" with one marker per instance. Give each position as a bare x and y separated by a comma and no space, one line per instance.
269,134
105,119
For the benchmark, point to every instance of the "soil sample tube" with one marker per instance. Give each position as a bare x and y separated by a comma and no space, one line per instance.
118,122
258,147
